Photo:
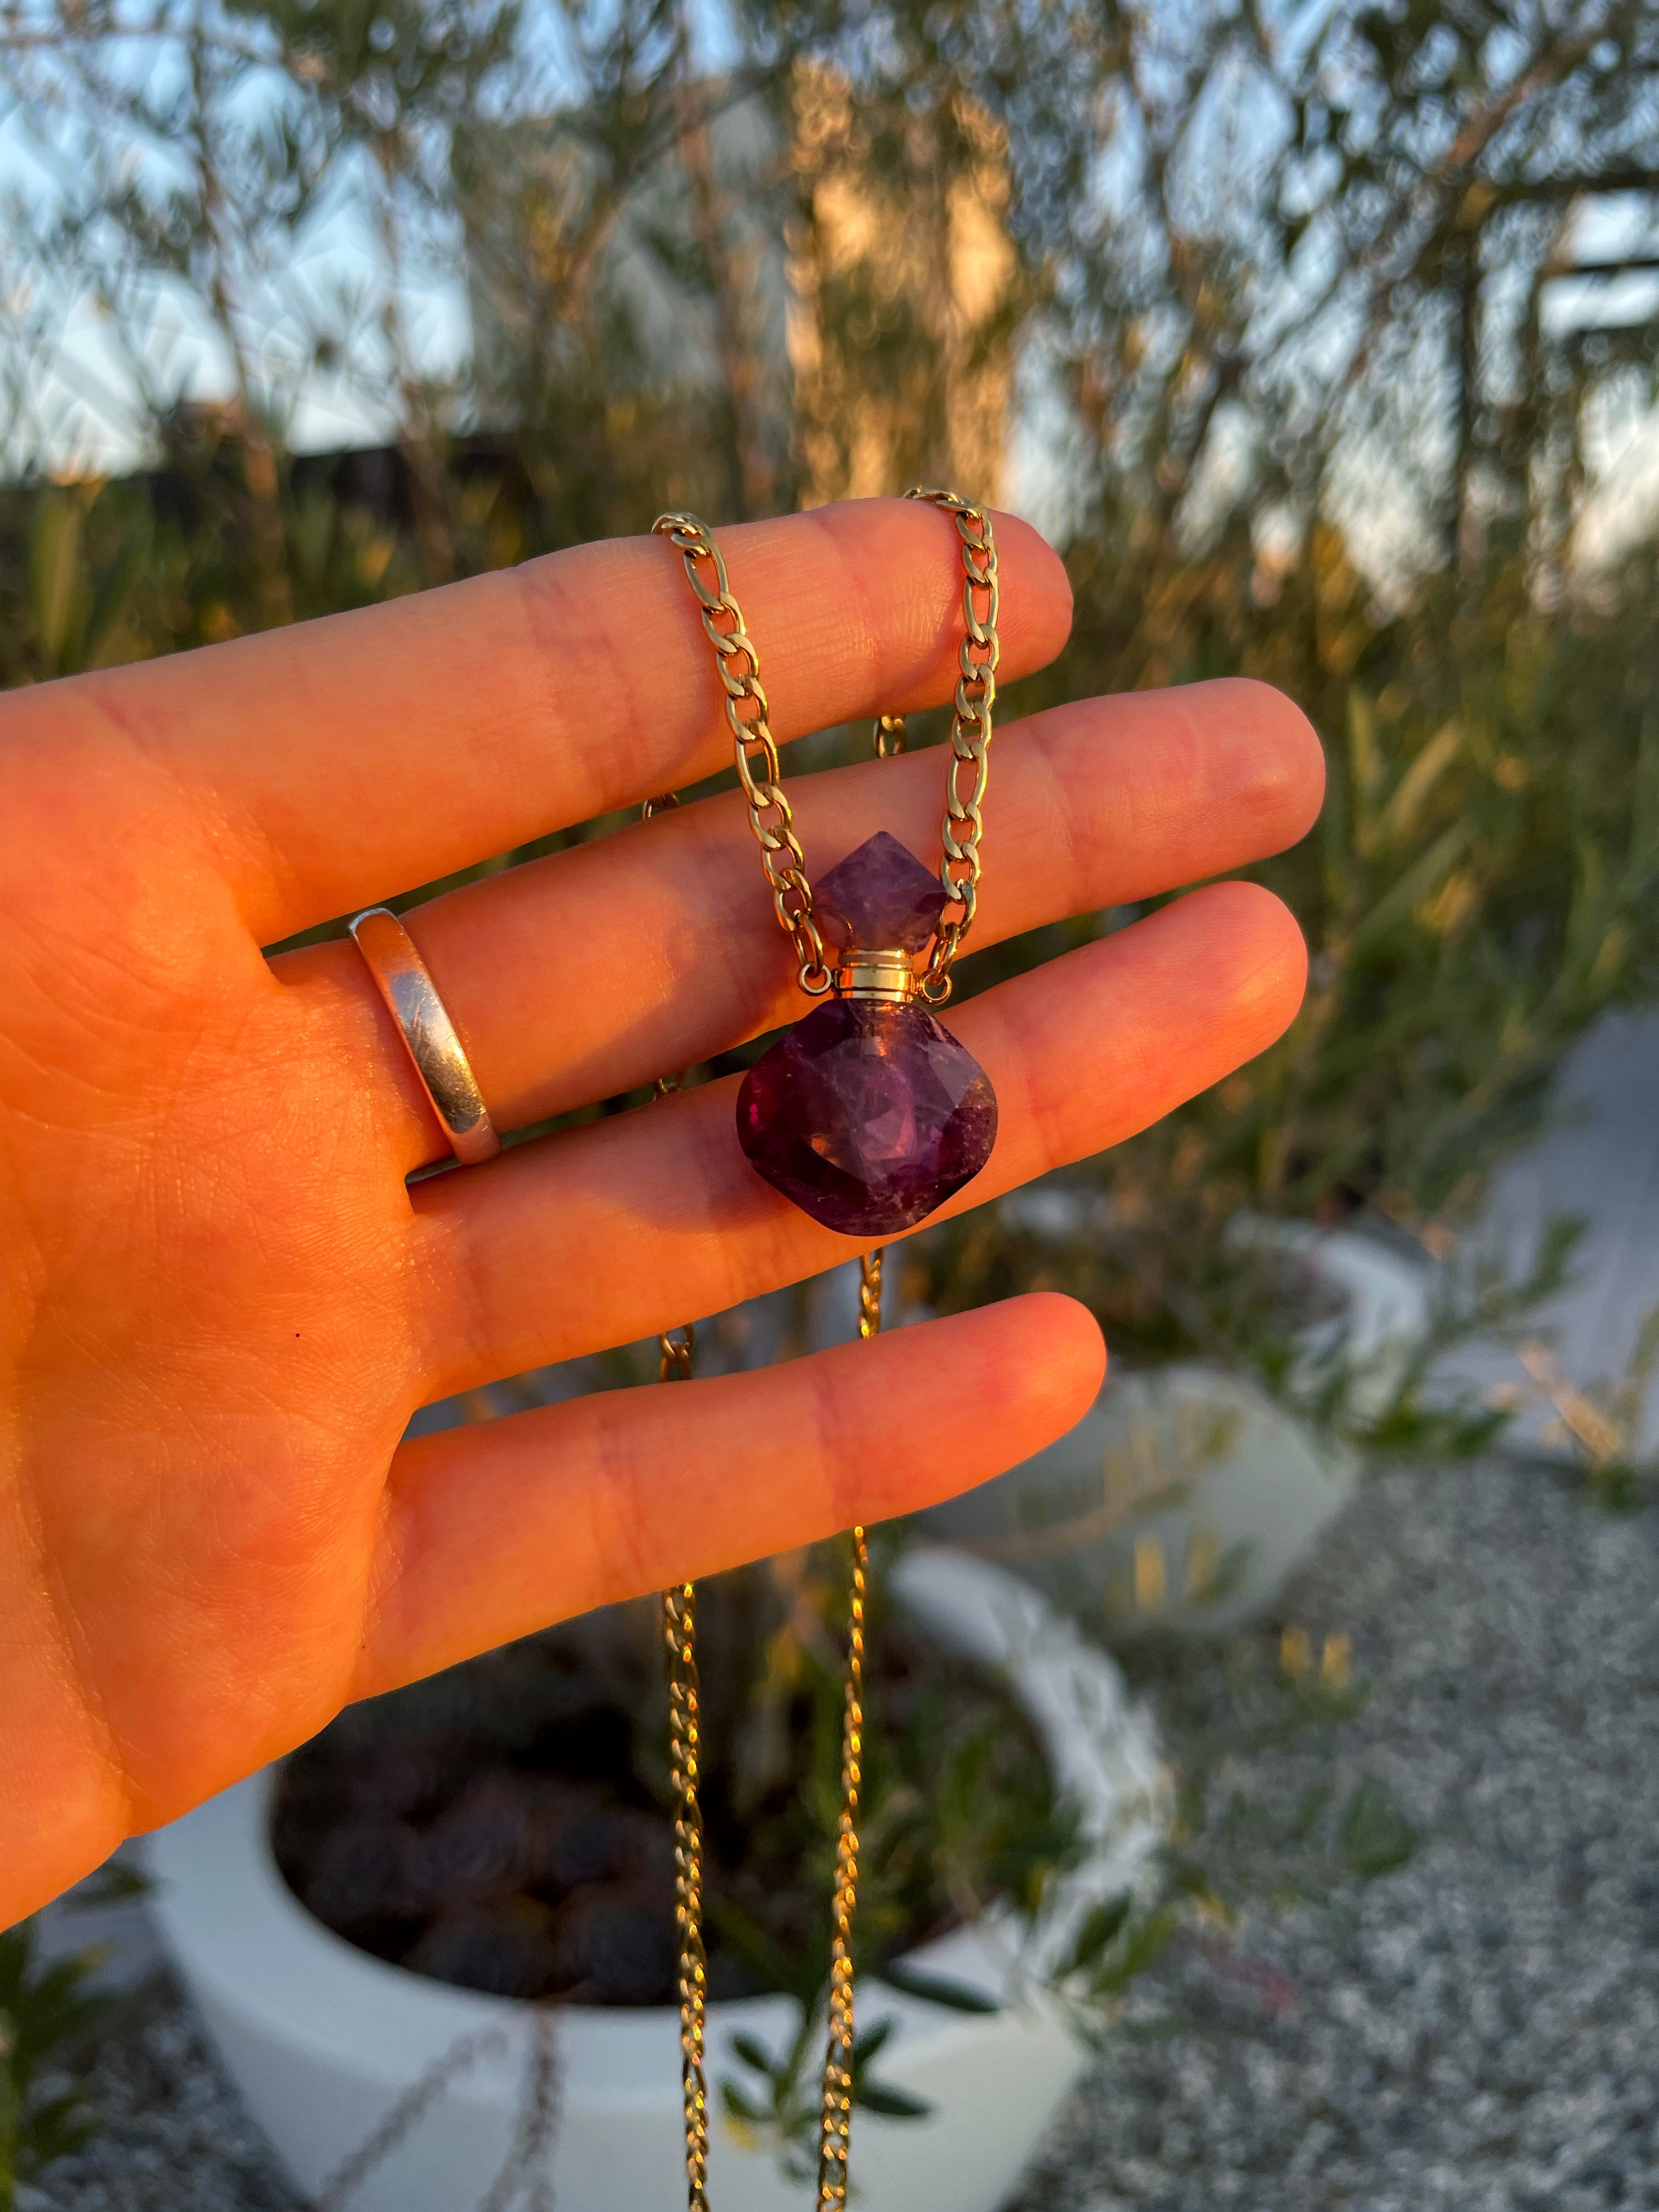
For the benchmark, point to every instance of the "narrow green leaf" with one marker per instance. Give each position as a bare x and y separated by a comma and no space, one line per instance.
937,1989
55,575
892,2104
1374,1836
739,2106
1407,800
1102,1924
753,2052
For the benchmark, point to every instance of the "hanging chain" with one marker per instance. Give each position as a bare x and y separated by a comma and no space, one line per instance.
406,2114
679,1627
835,2120
678,1347
758,771
970,731
746,712
785,863
679,1633
870,1295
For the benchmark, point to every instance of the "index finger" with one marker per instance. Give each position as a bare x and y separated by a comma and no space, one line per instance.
343,760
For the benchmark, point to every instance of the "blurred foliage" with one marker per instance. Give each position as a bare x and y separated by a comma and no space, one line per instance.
1316,310
958,1805
1481,887
47,2010
1324,315
476,1806
1598,1424
441,1806
1234,1845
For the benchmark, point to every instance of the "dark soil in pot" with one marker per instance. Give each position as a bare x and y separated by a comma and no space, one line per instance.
505,1827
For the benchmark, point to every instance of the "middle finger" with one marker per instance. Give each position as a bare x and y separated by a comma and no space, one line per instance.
609,1233
587,974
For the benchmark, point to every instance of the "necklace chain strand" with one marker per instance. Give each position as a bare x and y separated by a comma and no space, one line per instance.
756,753
785,864
679,1624
835,2120
679,1631
970,771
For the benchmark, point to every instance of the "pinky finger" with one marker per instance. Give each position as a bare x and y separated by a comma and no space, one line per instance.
492,1532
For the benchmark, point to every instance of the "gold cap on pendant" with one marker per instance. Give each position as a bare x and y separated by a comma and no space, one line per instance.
888,974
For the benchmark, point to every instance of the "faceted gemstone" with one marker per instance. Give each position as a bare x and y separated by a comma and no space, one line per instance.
868,1114
878,897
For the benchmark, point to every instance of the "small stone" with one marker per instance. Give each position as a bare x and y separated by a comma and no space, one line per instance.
879,897
868,1116
616,1948
581,1850
482,1843
505,1949
365,1869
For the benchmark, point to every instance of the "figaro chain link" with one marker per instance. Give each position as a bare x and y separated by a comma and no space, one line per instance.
770,814
836,2111
679,1630
970,731
757,752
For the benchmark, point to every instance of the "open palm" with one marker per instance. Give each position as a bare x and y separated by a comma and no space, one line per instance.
222,1299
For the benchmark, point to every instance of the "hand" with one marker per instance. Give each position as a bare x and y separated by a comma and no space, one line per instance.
223,1302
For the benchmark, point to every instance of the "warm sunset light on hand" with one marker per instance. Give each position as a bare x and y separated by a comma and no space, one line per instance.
223,1301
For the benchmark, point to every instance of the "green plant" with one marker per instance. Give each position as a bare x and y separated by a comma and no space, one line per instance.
1478,890
46,2011
452,1809
1599,1423
777,2098
1236,1845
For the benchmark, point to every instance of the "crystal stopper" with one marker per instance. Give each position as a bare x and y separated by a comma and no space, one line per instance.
880,895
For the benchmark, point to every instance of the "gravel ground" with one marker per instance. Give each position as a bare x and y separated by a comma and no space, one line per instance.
174,2136
1477,2032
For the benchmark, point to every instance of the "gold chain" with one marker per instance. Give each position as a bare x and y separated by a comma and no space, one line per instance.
770,814
835,2117
970,731
785,864
757,752
679,1628
679,1631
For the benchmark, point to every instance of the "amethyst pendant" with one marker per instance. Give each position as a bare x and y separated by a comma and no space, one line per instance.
868,1116
868,1113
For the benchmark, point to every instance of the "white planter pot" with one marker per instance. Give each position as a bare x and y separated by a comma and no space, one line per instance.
323,2039
1185,1498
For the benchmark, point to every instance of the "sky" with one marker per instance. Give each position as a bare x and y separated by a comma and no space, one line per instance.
86,391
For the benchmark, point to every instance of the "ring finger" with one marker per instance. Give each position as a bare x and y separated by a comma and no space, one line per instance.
607,1232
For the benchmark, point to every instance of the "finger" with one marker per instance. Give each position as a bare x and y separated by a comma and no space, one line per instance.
495,1530
341,761
606,1232
584,974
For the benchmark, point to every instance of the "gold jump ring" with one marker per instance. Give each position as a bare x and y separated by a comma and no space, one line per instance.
402,979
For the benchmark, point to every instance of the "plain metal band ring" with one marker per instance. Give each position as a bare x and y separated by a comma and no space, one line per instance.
402,980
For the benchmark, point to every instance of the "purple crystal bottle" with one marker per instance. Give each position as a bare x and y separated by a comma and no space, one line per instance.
868,1113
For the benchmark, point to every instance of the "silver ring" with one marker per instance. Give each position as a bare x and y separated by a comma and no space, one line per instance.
402,979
